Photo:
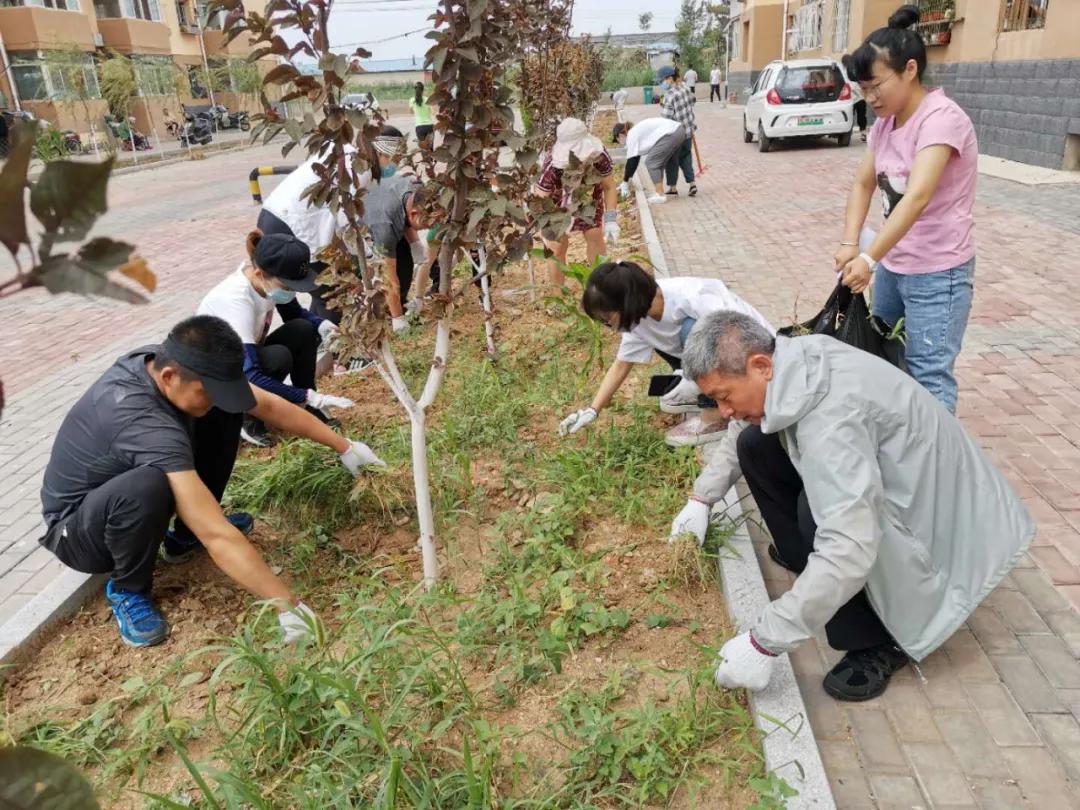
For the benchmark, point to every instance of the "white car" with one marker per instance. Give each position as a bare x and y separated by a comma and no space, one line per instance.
364,102
799,98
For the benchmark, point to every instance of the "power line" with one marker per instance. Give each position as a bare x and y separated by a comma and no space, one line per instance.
384,39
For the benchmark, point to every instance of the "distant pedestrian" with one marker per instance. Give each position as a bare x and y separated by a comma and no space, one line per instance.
425,118
690,77
679,106
618,98
859,108
714,84
923,158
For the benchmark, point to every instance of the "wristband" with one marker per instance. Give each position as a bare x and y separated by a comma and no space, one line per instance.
870,262
610,216
760,649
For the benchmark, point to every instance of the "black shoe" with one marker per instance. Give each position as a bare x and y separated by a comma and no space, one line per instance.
672,192
693,190
255,433
774,555
864,674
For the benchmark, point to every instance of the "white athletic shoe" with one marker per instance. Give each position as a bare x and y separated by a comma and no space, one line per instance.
683,398
694,431
656,199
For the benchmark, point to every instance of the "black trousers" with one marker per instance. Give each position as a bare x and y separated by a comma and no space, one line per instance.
714,93
291,349
118,527
683,159
779,493
860,114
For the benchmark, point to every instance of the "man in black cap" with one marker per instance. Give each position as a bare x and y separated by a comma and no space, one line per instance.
157,434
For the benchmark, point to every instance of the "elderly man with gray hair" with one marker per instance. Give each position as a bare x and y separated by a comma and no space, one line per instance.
895,522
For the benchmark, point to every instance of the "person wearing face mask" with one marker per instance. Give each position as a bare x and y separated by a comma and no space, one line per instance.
278,269
678,105
923,159
655,316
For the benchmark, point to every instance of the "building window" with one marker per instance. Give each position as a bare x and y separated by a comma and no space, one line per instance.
213,22
129,9
841,24
735,46
806,31
1023,15
154,75
55,76
59,5
743,42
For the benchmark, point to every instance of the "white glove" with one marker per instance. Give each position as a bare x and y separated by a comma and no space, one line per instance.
360,455
612,231
576,421
298,623
419,251
693,519
399,324
327,330
624,190
743,666
324,401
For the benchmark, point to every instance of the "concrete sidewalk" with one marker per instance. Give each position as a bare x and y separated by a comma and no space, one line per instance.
990,720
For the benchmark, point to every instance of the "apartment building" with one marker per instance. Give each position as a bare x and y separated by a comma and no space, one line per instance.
1013,65
52,51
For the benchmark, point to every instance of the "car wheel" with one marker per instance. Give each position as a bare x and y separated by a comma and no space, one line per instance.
764,141
747,135
844,140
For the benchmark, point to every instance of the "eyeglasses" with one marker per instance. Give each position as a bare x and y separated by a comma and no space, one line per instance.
875,89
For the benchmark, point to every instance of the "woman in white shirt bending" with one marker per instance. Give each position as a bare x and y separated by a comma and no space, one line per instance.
247,298
655,315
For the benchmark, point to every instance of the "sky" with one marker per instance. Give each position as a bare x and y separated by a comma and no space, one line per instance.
360,22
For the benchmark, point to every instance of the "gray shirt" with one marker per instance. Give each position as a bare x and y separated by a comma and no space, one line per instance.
122,422
384,211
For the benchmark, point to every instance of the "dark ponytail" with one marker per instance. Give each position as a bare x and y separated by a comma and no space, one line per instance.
419,97
894,45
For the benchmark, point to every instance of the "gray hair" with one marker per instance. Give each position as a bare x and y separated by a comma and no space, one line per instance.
723,341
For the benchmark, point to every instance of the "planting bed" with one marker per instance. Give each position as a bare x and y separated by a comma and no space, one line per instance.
564,660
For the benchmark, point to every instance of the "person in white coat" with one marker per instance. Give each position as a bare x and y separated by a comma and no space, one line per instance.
656,316
896,523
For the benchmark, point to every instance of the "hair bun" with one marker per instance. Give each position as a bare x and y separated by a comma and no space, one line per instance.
904,17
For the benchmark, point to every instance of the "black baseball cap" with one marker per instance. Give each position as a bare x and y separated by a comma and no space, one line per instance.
288,260
222,377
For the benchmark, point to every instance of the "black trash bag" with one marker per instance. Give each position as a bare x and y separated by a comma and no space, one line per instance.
846,317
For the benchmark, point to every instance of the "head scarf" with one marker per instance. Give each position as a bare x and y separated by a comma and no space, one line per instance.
572,137
387,145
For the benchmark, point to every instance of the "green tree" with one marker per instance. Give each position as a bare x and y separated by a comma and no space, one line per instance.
690,34
118,84
74,82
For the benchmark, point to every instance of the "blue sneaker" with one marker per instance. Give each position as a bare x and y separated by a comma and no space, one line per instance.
175,551
140,622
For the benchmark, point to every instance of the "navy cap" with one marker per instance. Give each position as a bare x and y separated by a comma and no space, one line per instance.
288,260
665,72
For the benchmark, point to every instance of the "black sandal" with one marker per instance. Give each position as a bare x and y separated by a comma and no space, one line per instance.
693,190
864,674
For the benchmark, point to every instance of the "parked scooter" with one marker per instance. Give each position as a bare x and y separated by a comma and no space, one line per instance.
223,119
195,131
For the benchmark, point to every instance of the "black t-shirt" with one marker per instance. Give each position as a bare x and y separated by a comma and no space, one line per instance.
122,422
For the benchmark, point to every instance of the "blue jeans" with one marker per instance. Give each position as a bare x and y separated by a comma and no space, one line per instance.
935,309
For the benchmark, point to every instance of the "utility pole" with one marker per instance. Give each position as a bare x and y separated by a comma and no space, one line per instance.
202,51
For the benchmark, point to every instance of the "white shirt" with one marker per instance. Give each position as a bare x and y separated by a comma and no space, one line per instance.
714,76
645,133
311,224
684,298
619,98
690,77
236,302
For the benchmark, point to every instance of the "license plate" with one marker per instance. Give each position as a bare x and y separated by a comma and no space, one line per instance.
810,121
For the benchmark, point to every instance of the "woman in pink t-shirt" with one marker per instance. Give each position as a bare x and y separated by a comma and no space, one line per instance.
923,159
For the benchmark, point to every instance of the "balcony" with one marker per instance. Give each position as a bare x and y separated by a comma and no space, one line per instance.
29,28
215,44
135,36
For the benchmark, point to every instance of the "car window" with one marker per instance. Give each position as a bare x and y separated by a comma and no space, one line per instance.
806,85
763,80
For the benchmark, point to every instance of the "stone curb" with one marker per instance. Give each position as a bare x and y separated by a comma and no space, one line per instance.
61,598
790,747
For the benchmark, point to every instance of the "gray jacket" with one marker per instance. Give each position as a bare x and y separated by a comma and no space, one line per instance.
905,502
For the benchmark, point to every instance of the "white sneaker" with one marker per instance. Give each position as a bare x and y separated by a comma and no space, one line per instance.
695,431
359,364
683,398
656,199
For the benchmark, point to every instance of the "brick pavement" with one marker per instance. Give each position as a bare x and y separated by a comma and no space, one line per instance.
989,720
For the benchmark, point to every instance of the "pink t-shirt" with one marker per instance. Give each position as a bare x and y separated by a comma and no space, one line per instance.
942,237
